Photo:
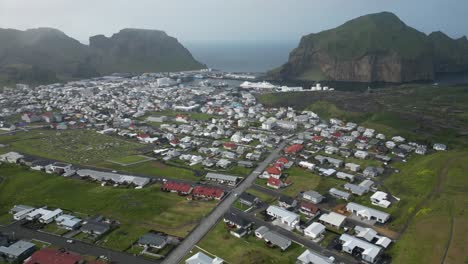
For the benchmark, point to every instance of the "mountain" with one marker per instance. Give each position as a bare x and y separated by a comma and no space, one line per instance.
139,50
372,48
46,55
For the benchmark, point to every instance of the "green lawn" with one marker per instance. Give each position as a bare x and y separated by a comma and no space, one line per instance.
129,159
263,196
302,180
75,146
138,211
245,250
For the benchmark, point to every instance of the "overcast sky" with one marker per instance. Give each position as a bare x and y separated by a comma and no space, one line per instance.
225,20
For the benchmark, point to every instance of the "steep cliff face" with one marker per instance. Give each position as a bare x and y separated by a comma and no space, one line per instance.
47,55
373,48
138,50
449,55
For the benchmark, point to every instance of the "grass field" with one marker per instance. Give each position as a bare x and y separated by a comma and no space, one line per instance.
138,211
436,190
129,159
75,146
245,250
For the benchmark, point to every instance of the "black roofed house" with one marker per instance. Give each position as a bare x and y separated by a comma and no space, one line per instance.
153,240
236,220
96,226
287,202
39,165
248,199
27,161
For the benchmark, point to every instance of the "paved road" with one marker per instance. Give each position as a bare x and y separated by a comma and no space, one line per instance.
339,257
20,232
207,223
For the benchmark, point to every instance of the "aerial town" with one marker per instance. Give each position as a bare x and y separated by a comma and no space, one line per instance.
199,166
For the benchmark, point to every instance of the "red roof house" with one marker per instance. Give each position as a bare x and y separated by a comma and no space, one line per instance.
230,145
180,188
317,138
283,160
274,183
208,192
309,209
273,171
293,149
53,256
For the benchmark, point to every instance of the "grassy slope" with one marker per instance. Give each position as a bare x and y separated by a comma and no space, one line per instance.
137,210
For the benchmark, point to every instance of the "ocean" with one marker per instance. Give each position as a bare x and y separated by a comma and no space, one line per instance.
242,57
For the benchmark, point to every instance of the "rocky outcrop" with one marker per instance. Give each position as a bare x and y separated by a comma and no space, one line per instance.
47,55
372,48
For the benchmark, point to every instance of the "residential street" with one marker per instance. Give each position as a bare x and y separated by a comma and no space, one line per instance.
20,232
340,258
210,221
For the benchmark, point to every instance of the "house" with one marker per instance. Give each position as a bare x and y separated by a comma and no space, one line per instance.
372,172
307,165
275,183
439,147
95,226
293,149
178,187
222,178
289,125
287,202
68,222
368,252
60,167
339,194
368,213
309,209
371,235
276,239
20,212
283,216
245,164
153,240
233,219
314,231
49,256
310,257
345,176
248,199
313,197
208,192
353,167
11,157
356,189
18,251
380,198
230,146
361,154
333,219
202,258
272,171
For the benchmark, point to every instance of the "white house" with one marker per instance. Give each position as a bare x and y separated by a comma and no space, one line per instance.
351,244
201,258
368,213
314,230
310,257
284,216
380,198
333,219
